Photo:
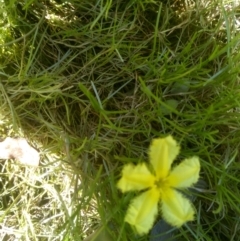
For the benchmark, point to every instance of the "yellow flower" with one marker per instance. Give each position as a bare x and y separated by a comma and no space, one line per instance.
161,186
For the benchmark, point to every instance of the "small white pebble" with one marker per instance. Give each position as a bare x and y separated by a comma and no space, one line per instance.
19,149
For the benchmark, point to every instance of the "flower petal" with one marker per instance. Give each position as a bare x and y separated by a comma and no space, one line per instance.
185,174
176,209
162,152
143,210
135,178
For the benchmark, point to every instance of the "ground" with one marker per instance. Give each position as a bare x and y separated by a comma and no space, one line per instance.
90,83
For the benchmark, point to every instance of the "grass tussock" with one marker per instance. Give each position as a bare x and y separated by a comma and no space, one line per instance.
90,84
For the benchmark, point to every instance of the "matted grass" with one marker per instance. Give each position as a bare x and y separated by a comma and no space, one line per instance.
91,83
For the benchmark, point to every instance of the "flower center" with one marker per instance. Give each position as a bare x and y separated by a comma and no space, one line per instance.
161,183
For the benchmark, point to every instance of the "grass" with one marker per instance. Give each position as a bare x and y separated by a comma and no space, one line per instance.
90,84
